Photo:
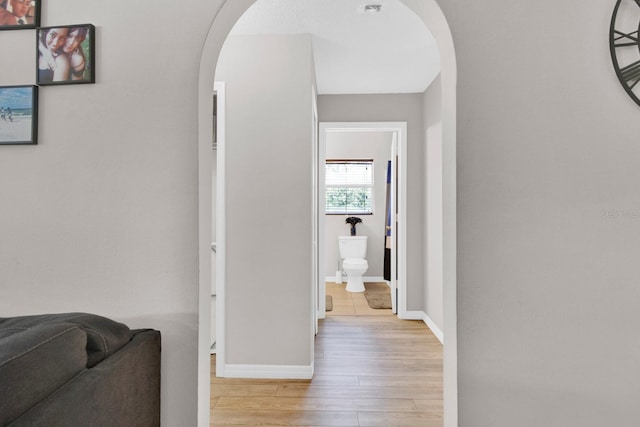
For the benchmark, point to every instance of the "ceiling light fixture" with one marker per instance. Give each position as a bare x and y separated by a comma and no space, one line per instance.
372,8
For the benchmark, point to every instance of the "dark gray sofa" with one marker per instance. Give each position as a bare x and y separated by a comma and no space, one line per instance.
78,369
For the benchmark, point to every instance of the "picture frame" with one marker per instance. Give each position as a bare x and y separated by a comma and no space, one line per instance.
65,54
19,115
19,14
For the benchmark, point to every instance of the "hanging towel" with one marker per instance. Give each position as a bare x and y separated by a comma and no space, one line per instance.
387,228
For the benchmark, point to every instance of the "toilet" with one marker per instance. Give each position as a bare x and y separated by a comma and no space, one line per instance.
353,251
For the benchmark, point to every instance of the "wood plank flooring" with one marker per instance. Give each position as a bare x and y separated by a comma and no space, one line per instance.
370,371
351,303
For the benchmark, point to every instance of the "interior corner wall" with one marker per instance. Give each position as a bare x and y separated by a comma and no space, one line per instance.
102,215
374,145
268,81
433,207
548,222
390,108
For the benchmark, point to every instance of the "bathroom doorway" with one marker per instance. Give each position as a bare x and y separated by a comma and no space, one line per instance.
381,142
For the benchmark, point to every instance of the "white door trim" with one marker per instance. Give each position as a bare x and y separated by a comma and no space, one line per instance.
400,147
221,236
315,217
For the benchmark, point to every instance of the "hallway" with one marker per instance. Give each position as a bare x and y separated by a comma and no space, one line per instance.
374,371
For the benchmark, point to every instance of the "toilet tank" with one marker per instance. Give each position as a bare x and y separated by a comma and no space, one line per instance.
352,246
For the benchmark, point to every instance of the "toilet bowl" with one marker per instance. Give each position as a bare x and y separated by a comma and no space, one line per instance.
353,250
354,268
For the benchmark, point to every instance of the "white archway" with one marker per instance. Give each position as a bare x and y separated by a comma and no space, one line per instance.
434,19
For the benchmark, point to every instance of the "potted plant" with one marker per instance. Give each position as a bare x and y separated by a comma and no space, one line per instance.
353,220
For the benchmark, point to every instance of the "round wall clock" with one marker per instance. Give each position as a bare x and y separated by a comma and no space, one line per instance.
624,44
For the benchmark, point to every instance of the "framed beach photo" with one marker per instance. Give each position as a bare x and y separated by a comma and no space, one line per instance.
65,55
18,115
19,14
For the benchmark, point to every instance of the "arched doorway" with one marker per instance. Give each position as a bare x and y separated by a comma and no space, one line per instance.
434,19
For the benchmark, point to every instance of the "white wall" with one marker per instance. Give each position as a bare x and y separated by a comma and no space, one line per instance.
268,150
388,108
101,215
432,240
360,145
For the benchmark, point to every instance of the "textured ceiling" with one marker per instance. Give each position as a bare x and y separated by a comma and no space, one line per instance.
354,51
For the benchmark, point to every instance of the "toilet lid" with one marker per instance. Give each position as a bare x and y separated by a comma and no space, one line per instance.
355,262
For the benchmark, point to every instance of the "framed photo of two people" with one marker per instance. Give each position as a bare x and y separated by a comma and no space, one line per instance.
65,54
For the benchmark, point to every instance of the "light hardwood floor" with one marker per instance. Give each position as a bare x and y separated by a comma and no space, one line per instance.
370,370
351,303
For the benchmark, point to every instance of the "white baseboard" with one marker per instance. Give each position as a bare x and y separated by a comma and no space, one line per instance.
285,372
421,315
413,315
364,279
434,328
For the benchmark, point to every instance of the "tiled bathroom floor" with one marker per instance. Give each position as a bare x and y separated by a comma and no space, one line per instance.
351,303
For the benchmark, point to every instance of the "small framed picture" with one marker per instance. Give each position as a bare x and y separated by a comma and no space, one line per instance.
18,115
65,55
19,14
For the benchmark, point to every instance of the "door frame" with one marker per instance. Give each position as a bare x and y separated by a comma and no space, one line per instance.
399,146
220,230
317,234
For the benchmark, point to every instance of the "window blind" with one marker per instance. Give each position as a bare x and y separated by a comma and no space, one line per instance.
349,186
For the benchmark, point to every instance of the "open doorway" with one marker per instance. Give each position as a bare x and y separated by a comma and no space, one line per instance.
429,12
384,215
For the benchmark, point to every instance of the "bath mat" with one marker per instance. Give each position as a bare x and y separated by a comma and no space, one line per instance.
329,303
378,295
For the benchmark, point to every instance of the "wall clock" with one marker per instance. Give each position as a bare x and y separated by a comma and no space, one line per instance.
624,44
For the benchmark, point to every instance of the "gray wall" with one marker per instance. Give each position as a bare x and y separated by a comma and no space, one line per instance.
268,198
393,107
432,240
360,145
548,156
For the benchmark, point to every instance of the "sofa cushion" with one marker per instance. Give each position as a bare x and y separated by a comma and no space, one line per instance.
104,336
37,361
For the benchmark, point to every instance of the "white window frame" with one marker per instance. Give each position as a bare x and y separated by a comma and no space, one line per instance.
346,185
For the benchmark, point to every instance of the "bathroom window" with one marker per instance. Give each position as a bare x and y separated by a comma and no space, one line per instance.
349,187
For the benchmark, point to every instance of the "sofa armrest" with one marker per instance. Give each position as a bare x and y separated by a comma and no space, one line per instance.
35,362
